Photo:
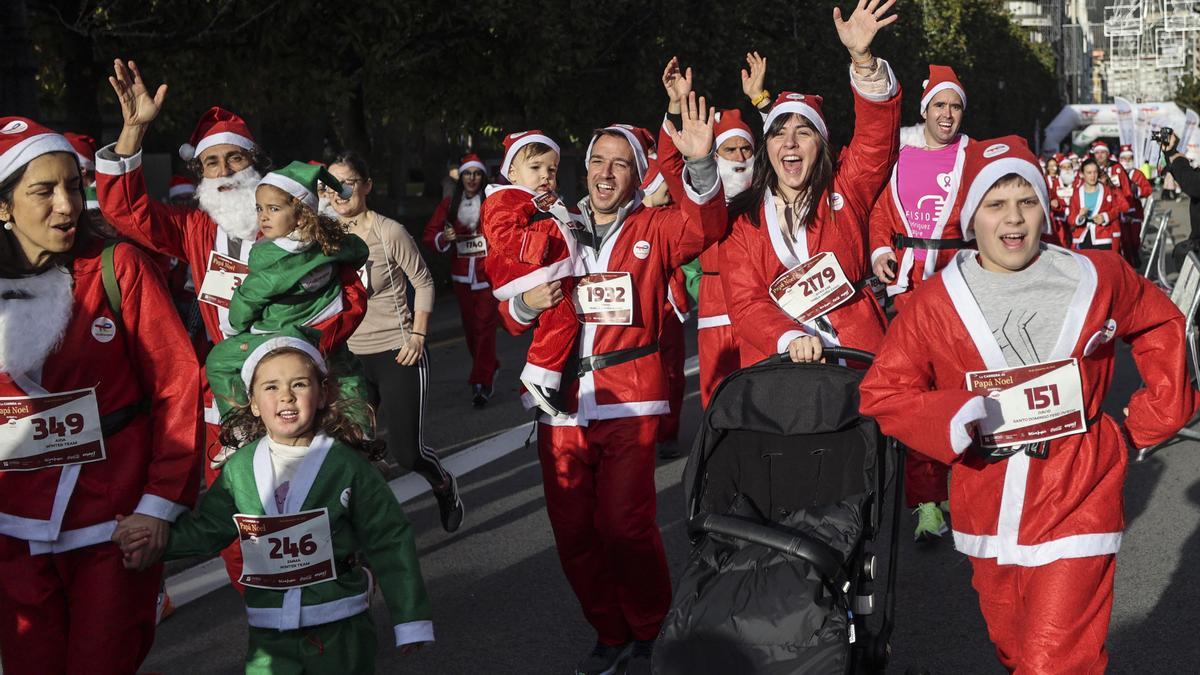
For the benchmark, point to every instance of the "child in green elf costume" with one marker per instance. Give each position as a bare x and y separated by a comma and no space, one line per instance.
304,502
294,280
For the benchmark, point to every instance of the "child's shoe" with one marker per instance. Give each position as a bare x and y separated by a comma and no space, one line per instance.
931,524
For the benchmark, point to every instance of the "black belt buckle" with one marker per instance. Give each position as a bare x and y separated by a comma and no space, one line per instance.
897,241
1039,450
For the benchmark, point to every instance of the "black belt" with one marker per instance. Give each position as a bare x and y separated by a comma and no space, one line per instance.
116,421
710,274
600,361
901,241
1039,450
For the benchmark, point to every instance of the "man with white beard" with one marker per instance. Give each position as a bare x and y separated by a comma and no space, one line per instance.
214,238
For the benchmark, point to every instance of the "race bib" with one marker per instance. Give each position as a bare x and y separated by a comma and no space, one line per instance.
288,551
812,289
471,247
1030,404
50,430
221,278
605,299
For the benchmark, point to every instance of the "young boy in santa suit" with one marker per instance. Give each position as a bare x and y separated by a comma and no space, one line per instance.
526,227
1041,521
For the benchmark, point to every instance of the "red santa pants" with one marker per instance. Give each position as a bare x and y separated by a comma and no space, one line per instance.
601,499
924,479
670,345
479,319
719,357
553,342
79,611
1048,619
231,554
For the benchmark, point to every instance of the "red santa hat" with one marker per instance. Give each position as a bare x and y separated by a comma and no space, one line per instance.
1058,157
471,161
941,78
22,140
807,106
1126,151
653,178
729,125
514,142
1099,145
639,139
985,163
180,186
216,127
85,149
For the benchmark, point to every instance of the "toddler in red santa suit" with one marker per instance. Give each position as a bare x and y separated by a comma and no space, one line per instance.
999,365
526,228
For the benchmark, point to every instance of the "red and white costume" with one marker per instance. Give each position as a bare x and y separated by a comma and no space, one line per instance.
1040,533
529,246
1108,208
598,464
189,234
752,256
476,304
65,597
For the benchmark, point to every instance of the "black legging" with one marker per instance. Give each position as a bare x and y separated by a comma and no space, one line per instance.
398,395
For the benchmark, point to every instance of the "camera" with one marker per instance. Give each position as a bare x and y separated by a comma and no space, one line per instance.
1162,136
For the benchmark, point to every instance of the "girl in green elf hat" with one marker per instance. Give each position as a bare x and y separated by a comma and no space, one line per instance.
294,280
304,502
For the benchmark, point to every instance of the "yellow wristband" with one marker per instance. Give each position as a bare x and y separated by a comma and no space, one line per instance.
757,100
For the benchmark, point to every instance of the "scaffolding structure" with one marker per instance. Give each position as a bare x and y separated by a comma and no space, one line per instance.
1152,44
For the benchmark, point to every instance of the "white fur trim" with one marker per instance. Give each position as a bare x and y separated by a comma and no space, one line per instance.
180,190
281,343
522,142
943,86
639,153
467,166
157,507
972,411
781,345
69,540
799,108
32,328
993,172
109,163
413,631
731,133
220,139
882,250
893,86
27,150
278,618
293,188
541,376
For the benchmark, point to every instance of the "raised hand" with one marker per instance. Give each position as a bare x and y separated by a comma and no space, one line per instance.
677,83
138,108
858,32
695,140
754,79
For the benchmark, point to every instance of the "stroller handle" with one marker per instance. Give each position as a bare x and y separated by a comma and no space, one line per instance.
826,560
843,353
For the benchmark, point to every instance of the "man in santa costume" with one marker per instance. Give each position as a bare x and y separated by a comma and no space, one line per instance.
1131,217
914,234
598,464
218,233
1036,504
102,400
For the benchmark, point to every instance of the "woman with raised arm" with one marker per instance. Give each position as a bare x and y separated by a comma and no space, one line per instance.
794,265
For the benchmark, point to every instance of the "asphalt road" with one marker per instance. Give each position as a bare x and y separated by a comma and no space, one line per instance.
502,605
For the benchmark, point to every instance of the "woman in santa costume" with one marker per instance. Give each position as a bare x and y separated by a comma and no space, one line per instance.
101,418
1094,214
806,215
1060,191
1035,495
454,229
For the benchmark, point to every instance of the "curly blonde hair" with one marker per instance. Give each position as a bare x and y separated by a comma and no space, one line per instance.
312,226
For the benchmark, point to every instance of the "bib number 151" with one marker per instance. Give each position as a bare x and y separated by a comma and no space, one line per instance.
1042,397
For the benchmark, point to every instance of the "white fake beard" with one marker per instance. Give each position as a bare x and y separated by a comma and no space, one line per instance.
33,319
735,182
1127,164
1066,176
233,209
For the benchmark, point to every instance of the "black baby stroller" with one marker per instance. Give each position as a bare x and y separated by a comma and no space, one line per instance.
784,488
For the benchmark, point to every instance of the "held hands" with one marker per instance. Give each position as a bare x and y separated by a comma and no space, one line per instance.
805,349
883,269
410,353
142,540
678,85
137,107
754,80
696,138
858,32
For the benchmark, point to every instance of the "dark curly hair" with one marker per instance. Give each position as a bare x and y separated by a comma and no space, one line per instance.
337,419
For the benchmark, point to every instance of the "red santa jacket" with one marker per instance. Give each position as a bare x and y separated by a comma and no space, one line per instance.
190,234
146,360
1022,510
463,270
754,256
1109,206
1139,184
649,244
527,246
887,219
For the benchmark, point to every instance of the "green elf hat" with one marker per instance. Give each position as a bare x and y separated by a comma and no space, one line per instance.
301,179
